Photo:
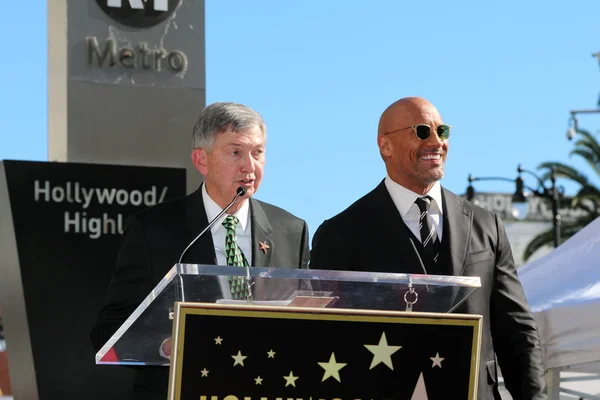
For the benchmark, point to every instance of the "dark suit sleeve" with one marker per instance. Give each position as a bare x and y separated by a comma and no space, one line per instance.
129,285
329,250
515,335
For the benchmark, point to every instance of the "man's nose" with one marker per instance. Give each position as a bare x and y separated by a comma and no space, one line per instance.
248,164
434,139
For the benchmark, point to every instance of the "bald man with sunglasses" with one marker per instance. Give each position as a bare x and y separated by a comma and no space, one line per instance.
451,236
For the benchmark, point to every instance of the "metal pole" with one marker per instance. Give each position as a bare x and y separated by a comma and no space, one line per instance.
553,383
573,112
555,213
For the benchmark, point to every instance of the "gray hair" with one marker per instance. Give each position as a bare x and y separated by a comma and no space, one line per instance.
219,117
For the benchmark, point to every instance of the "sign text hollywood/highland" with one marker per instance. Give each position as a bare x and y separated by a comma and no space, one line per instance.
94,226
73,192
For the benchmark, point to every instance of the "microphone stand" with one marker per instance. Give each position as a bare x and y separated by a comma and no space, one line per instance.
240,192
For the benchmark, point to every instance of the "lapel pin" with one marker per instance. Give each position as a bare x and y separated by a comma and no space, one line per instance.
263,246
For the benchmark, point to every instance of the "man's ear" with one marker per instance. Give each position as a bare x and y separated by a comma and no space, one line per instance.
200,161
385,145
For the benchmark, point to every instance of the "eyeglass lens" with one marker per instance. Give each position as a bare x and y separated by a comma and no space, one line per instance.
423,131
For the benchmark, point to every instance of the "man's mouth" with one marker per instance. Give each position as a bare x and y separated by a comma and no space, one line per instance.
431,156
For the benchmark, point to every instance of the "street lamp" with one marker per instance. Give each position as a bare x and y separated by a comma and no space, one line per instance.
574,123
520,196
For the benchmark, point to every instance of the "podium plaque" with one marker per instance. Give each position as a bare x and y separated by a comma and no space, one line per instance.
229,352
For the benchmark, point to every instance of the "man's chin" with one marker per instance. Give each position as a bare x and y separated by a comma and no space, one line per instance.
437,173
432,178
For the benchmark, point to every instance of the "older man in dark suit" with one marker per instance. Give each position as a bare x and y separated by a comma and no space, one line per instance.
229,143
452,237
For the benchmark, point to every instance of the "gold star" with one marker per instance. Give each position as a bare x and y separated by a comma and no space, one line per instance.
264,246
382,353
290,379
204,372
271,353
239,359
437,360
218,340
332,368
258,380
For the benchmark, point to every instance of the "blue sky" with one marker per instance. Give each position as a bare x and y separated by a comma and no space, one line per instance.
504,74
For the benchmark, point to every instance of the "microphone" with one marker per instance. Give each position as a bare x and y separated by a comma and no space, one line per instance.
241,191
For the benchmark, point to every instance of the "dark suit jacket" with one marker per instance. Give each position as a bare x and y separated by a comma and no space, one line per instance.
153,242
356,240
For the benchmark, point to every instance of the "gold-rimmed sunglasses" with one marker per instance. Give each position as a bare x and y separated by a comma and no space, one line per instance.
423,131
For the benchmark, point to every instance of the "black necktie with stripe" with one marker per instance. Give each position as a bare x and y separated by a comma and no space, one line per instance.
429,237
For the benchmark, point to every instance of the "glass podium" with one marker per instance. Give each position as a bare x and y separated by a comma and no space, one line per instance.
137,341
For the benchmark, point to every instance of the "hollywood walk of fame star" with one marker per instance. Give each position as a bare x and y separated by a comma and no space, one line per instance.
332,368
382,353
290,379
437,360
239,359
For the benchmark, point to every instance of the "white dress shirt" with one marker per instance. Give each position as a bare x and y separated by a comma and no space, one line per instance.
243,230
404,200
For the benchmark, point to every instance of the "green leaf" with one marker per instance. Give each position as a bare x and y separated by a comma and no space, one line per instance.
564,171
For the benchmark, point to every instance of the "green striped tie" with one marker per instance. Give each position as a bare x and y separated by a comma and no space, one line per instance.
235,257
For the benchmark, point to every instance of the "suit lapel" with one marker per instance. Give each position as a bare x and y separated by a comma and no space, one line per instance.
203,250
392,233
457,229
262,245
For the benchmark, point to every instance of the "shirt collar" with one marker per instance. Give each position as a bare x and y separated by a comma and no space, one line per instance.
213,209
404,198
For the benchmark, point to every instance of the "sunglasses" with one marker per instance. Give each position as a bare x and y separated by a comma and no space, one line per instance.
423,131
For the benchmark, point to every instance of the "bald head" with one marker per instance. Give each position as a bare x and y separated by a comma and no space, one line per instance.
411,161
406,112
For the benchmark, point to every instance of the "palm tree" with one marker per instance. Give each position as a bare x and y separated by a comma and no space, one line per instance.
586,199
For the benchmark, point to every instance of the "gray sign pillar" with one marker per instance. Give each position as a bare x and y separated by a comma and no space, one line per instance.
126,80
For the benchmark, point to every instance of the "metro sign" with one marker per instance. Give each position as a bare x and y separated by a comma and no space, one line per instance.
139,13
159,5
110,53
